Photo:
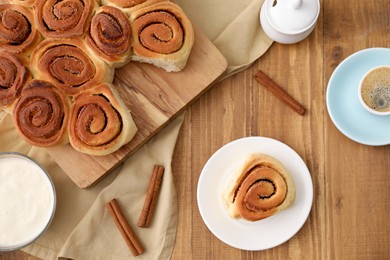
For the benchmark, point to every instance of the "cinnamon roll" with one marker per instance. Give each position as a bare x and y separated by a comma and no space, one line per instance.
63,18
100,122
260,188
41,114
162,35
14,74
109,36
17,32
68,64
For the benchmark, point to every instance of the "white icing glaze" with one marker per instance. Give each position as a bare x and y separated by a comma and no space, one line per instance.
26,201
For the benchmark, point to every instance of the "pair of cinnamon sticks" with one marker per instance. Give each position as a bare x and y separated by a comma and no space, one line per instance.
123,226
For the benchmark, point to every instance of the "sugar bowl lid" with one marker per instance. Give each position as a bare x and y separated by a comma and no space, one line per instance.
292,16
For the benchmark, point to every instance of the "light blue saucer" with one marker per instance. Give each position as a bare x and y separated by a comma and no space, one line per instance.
342,100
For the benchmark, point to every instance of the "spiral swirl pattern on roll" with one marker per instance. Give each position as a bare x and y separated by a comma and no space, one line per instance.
160,32
259,189
260,193
17,34
110,35
41,114
162,35
100,122
14,75
69,65
63,18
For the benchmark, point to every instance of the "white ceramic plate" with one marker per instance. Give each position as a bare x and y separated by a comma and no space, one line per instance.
266,233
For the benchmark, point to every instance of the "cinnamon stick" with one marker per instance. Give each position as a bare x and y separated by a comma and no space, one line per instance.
272,86
151,196
124,228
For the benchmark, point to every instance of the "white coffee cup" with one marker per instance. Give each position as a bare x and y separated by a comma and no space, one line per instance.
374,90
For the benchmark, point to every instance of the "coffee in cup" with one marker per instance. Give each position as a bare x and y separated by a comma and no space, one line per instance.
374,90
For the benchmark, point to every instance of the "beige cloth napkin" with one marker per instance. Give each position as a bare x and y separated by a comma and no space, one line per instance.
82,228
233,26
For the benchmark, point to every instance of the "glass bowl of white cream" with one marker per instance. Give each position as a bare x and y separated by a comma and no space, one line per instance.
27,201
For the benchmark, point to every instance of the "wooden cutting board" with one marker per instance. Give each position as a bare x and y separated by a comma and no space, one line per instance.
154,98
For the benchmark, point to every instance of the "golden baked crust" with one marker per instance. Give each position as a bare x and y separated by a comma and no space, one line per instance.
14,73
123,3
100,123
68,64
63,19
259,188
41,114
109,36
162,35
25,3
18,34
129,6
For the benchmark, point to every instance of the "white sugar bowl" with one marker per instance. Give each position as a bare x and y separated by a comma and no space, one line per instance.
289,21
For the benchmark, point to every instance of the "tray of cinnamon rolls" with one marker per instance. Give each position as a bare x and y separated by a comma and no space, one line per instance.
258,200
93,80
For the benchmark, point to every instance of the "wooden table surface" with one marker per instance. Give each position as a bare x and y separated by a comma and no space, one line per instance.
351,208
